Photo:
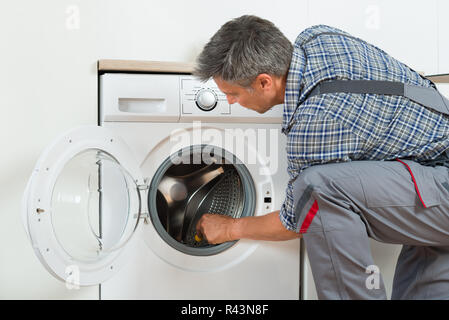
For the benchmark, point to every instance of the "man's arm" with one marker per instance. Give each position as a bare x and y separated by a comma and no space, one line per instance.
313,140
218,228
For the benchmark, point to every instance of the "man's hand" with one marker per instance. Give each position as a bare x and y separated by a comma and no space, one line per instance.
216,228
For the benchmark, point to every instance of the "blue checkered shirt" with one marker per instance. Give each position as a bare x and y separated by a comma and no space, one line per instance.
339,127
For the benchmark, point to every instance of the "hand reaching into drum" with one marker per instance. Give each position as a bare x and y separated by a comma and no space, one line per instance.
216,228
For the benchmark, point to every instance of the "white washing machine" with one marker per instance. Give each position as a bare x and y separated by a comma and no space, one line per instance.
116,204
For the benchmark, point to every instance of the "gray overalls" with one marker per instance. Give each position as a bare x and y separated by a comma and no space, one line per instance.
340,205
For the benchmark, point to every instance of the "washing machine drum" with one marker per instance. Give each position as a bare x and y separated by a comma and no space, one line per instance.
187,190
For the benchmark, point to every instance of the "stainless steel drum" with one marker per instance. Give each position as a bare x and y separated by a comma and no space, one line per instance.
187,191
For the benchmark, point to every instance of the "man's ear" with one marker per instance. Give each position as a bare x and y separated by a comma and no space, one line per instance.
264,81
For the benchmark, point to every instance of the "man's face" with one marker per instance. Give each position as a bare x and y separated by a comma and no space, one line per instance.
254,98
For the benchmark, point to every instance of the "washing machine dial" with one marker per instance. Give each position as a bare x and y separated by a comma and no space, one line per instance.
206,99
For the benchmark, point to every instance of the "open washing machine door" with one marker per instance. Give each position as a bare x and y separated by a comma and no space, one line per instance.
81,206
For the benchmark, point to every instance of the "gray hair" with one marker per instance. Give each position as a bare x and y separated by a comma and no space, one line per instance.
242,49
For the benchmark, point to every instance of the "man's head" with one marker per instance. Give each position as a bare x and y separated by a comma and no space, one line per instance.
249,60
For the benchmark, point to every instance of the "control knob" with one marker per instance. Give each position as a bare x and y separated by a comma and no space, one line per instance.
206,99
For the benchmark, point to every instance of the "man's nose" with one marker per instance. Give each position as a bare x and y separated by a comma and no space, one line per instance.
231,100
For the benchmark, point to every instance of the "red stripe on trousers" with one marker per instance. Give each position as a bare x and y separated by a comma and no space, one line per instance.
414,181
310,215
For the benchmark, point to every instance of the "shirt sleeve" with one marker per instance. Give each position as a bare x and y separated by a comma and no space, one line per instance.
315,140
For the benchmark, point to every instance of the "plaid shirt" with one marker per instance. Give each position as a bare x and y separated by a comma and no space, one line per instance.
338,127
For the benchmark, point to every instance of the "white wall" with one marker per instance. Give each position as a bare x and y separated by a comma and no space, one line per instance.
443,39
48,80
48,84
407,30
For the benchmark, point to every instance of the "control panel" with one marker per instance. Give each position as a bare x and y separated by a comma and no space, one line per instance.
204,101
172,98
199,97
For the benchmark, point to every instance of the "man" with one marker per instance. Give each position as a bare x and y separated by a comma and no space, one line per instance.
334,200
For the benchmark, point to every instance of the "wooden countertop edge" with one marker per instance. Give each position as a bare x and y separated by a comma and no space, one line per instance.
105,65
439,78
144,66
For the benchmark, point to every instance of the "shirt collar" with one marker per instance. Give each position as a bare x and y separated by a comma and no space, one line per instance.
292,86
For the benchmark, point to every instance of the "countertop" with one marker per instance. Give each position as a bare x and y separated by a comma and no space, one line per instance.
111,65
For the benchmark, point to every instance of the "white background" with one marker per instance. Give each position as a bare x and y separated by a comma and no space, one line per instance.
48,78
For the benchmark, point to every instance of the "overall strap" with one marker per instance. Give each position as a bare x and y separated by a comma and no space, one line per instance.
428,97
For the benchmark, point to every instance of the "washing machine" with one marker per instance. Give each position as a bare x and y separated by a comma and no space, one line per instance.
116,204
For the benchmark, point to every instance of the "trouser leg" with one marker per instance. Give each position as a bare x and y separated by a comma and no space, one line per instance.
341,263
422,273
336,240
367,199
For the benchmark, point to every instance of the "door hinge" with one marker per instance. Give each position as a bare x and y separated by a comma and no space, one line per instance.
142,188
